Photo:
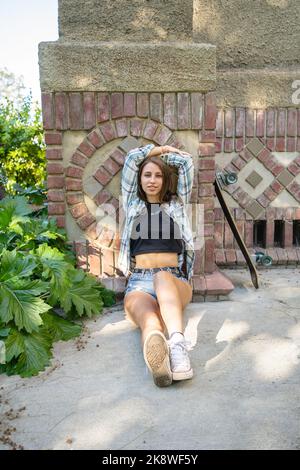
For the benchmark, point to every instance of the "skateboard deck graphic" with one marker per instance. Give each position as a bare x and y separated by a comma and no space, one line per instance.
218,189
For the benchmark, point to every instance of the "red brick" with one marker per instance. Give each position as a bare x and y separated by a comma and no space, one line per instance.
206,149
282,256
102,197
209,217
292,255
269,232
263,200
111,166
156,107
53,154
228,236
47,110
239,214
270,122
108,131
74,172
94,262
142,105
276,186
102,175
183,110
219,145
277,169
206,190
249,122
55,182
55,196
122,127
246,155
248,233
55,168
292,122
239,122
280,144
61,111
219,234
210,111
86,148
116,105
260,122
86,221
207,164
150,129
293,168
229,123
208,230
56,208
96,139
264,155
74,198
79,210
230,256
271,195
220,256
238,162
196,110
209,255
79,159
75,111
170,117
228,145
239,144
118,156
162,135
136,127
53,138
281,120
291,144
206,176
208,202
207,136
219,123
199,261
218,284
89,110
129,104
73,185
102,107
271,144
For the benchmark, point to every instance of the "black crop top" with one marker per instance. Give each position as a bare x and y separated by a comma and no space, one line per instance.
155,232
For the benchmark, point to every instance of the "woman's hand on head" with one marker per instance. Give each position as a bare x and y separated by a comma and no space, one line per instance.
169,148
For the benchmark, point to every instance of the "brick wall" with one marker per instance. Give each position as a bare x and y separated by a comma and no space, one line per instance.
260,136
106,117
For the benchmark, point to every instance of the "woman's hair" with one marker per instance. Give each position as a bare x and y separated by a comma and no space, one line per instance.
168,180
167,190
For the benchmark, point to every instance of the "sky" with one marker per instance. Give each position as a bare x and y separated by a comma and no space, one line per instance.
23,24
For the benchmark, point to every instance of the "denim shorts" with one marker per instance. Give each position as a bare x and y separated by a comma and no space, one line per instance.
143,280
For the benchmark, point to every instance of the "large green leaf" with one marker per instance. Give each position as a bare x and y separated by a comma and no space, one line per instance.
14,264
19,302
82,294
59,328
55,269
32,352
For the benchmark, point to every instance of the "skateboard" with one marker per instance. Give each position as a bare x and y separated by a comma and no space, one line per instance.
221,180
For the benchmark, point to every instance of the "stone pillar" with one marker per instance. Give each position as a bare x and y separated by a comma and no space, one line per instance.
119,77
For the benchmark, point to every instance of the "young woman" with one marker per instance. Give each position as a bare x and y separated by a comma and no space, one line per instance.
157,256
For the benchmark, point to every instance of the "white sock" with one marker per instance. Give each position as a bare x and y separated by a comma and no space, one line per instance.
176,337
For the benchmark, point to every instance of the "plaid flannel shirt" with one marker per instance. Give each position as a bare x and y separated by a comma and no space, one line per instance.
133,206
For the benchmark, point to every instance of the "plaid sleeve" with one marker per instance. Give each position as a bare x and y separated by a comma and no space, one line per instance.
129,173
185,167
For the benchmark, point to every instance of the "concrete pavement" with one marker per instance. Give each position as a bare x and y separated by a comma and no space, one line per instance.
245,394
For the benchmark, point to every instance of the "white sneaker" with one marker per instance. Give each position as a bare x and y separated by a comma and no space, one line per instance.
180,361
156,355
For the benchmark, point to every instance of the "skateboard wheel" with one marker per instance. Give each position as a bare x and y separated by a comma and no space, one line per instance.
266,260
231,178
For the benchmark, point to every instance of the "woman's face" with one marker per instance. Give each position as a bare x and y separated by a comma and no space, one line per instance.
152,181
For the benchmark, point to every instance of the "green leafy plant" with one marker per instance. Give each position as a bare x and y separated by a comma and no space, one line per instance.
22,149
38,279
